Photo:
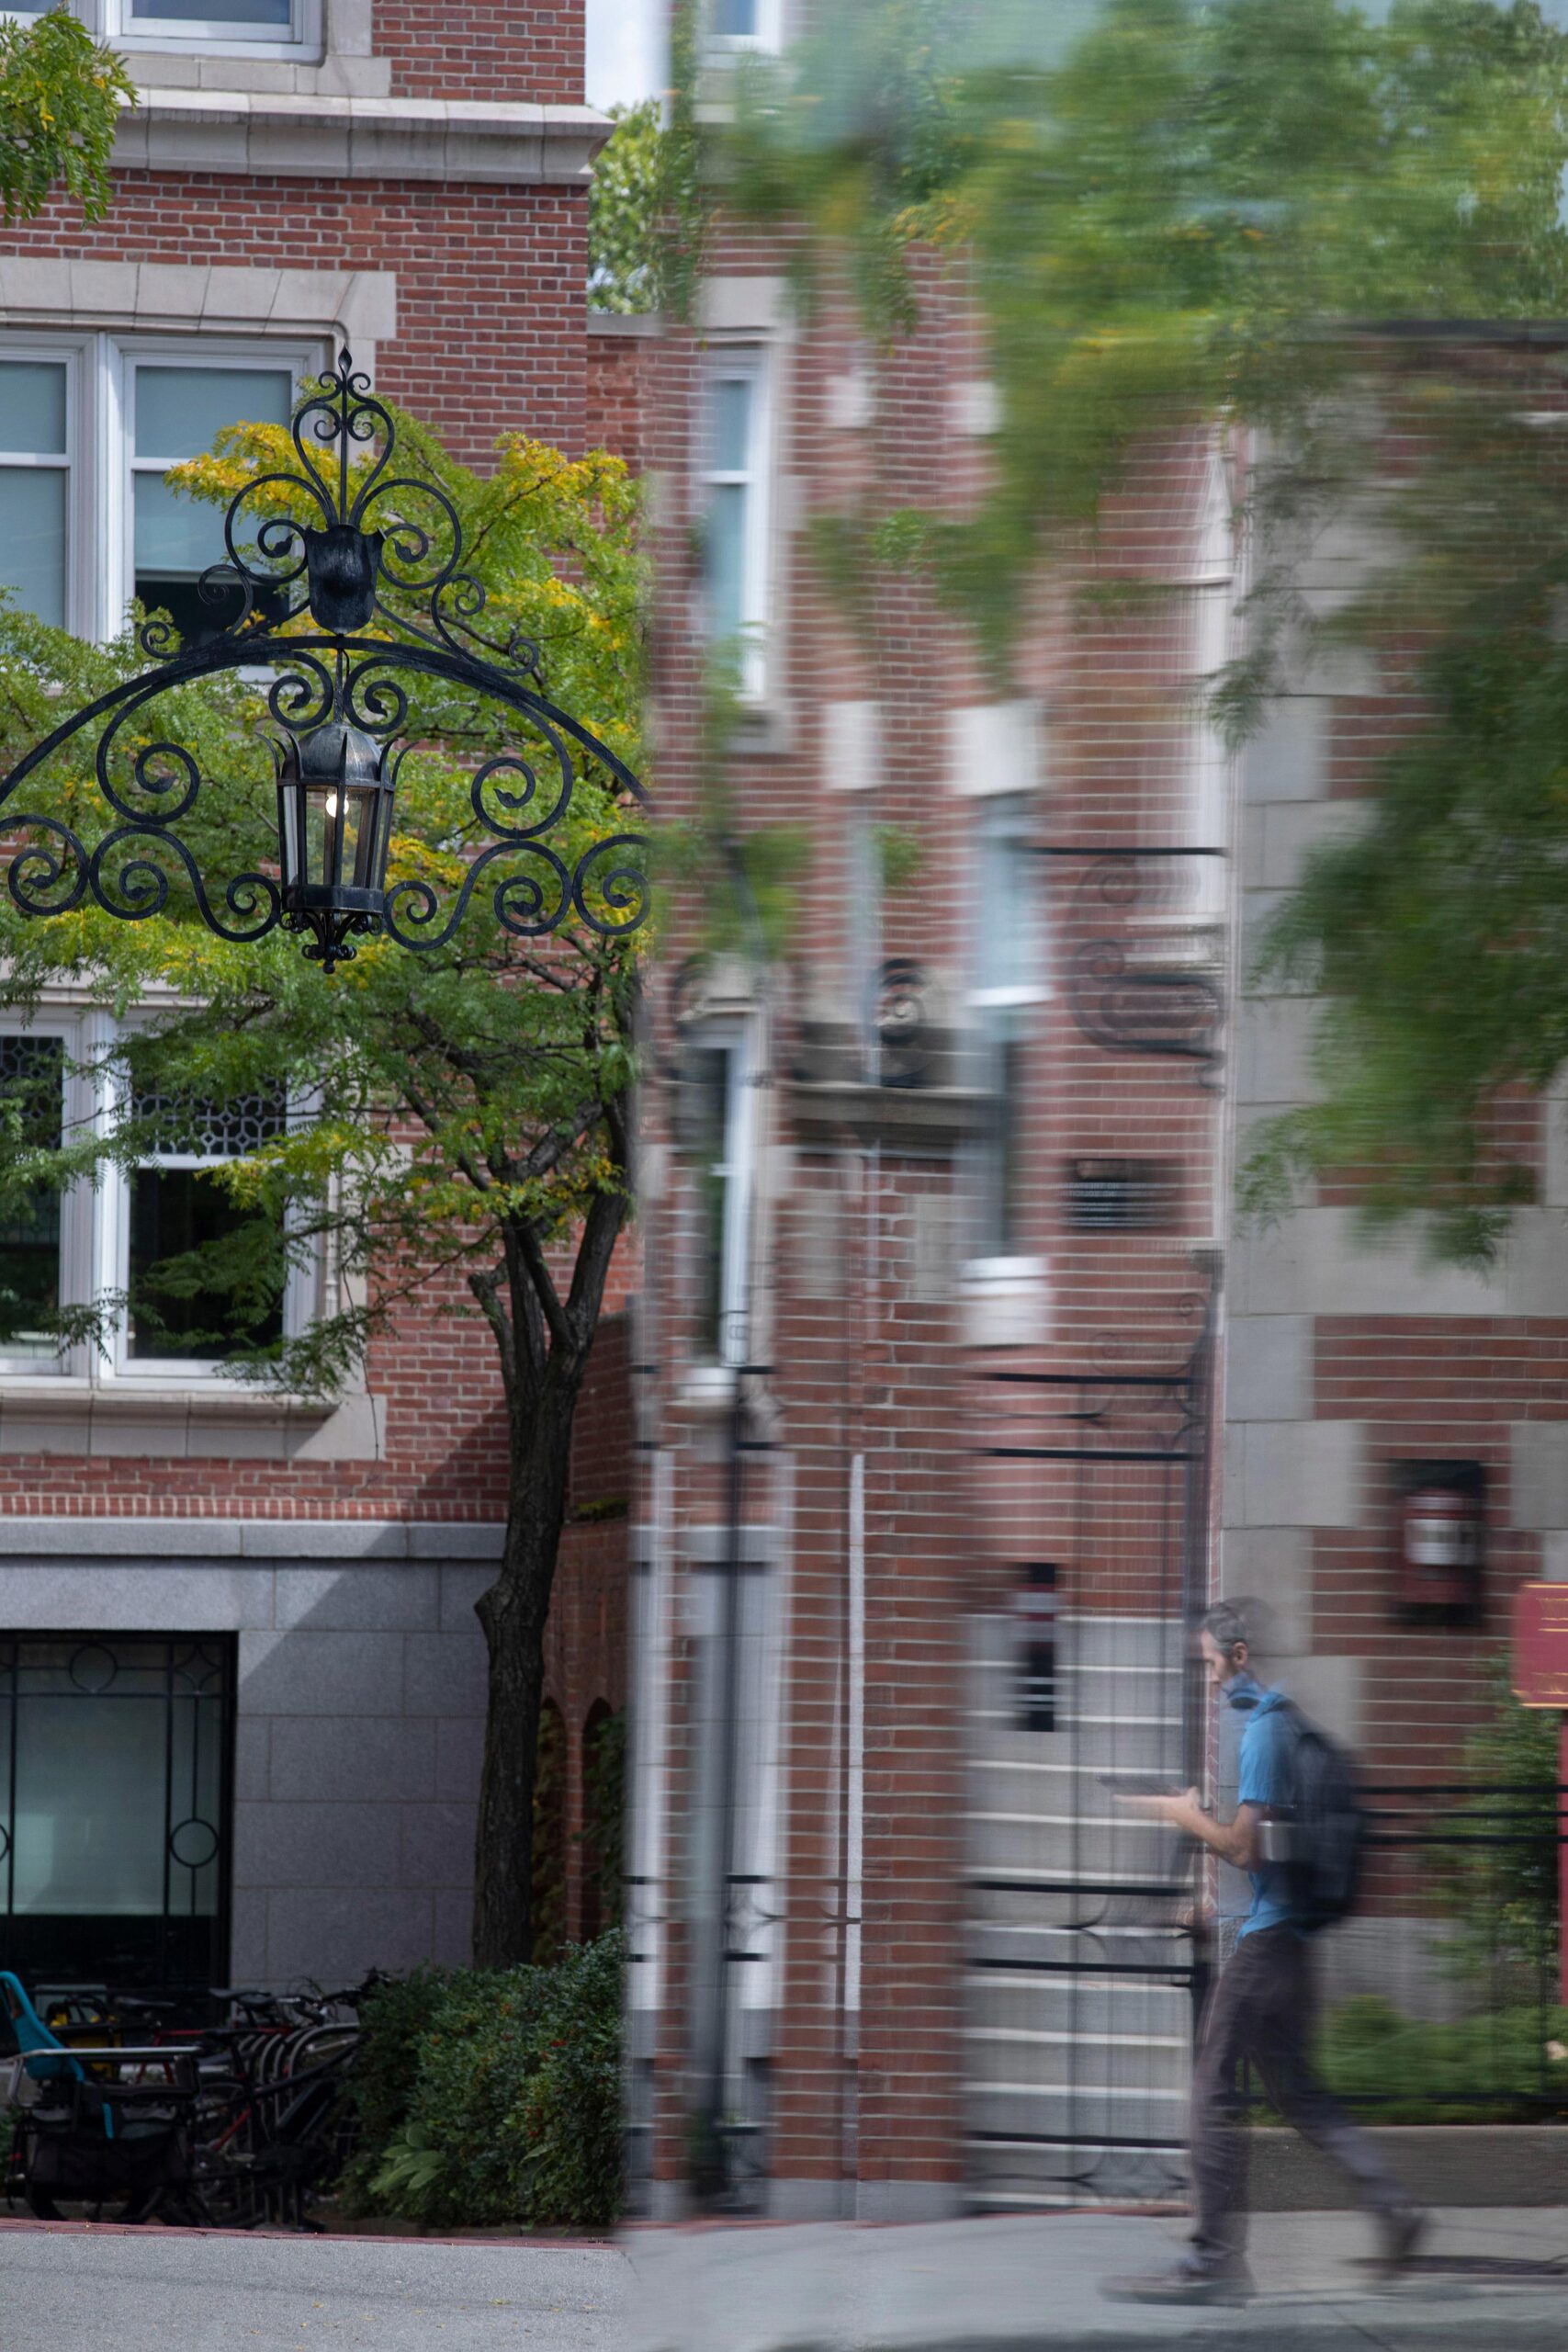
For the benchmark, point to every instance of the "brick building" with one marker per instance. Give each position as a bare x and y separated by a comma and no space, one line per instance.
932,1214
239,1670
948,1320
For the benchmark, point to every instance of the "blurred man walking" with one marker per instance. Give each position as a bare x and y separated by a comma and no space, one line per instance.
1261,2010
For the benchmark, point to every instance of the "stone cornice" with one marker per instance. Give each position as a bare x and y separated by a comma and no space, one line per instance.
337,137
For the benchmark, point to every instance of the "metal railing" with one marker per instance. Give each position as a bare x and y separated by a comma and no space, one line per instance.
1441,1999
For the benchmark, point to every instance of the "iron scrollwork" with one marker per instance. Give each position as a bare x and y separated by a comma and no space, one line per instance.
377,573
1142,976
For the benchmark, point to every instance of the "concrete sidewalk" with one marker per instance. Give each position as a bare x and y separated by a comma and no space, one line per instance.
74,2289
1033,2282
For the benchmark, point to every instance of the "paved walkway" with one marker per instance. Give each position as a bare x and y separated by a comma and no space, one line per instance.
1028,2284
73,2290
1033,2282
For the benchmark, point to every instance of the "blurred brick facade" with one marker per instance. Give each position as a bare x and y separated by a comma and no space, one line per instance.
849,1476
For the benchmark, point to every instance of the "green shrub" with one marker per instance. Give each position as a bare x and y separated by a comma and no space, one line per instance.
567,2128
507,2108
393,2023
1488,2068
1502,1888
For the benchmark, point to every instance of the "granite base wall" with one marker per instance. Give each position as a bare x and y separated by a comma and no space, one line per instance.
359,1719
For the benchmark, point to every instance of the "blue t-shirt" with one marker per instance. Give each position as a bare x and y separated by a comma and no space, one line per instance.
1266,1780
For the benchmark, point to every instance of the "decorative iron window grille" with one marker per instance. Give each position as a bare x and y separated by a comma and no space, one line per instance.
115,1806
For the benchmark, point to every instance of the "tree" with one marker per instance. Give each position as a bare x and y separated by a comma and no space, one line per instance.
1436,936
1167,214
623,212
60,95
457,1119
1171,215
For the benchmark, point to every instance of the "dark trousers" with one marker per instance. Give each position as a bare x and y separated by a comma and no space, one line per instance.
1262,2011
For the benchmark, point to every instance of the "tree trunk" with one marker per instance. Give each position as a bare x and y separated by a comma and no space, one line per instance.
545,1342
512,1614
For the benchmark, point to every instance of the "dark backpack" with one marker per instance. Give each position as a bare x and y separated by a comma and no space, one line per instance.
1327,1828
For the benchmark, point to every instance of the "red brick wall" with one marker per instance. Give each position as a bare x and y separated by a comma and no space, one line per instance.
491,280
618,370
484,49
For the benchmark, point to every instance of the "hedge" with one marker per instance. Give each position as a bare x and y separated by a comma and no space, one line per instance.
493,2096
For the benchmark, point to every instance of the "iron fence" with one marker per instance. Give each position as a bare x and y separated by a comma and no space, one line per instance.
1440,2001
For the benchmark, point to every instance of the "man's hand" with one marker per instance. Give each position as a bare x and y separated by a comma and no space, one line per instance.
1235,1842
1184,1812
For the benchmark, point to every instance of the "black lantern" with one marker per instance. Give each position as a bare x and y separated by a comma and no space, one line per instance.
383,550
334,821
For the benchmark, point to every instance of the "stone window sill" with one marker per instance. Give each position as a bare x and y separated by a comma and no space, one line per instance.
163,1418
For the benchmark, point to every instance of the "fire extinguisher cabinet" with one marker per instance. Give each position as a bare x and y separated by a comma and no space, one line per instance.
1441,1536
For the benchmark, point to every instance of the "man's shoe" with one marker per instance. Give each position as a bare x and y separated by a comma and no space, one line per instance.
1399,2234
1189,2282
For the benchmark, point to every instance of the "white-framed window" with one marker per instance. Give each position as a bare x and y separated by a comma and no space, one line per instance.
90,426
286,28
735,468
117,1240
166,1209
44,1238
719,1127
1007,978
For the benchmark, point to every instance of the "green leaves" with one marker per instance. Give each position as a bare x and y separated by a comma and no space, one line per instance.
495,2096
624,206
1164,212
60,95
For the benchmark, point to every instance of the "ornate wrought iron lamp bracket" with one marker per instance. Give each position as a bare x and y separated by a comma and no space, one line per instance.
336,606
1139,996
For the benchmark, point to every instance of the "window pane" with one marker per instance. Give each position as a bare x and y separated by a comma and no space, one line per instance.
181,410
708,1076
270,16
179,413
1006,921
727,505
195,1801
731,424
735,19
31,1077
89,1819
173,534
181,1306
186,1125
32,407
32,539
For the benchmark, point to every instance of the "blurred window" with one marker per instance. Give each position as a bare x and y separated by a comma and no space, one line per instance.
719,1130
1006,976
751,24
734,496
862,927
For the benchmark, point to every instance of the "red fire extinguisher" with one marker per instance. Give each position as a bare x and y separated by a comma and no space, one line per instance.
1442,1548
